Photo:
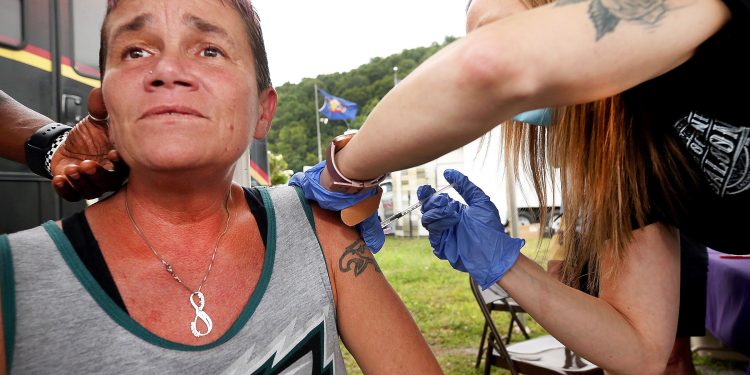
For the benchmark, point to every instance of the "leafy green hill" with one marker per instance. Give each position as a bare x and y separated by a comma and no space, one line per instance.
293,133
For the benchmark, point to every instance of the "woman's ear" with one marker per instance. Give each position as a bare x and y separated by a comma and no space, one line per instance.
267,107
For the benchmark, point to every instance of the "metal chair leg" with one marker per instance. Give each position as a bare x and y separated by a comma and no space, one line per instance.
488,358
481,345
510,329
521,327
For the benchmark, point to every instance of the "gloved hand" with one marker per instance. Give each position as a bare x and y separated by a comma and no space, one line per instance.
470,237
310,183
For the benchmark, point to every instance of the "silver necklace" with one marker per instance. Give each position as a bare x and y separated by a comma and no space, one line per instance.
197,299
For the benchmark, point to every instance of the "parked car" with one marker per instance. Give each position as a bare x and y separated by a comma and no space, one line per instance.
385,209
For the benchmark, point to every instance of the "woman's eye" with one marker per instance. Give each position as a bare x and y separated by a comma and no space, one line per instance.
210,52
137,53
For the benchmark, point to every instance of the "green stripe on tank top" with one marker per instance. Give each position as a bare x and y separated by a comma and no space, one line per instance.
124,320
8,290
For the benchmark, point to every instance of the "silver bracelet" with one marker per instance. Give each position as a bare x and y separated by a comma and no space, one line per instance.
51,152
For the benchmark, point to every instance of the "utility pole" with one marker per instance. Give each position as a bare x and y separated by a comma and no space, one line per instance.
317,123
510,188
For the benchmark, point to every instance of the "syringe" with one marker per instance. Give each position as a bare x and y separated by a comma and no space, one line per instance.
385,223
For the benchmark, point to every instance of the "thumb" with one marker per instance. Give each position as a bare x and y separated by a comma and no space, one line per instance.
470,192
372,233
97,110
424,192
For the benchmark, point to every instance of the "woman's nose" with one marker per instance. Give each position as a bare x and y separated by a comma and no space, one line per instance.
170,72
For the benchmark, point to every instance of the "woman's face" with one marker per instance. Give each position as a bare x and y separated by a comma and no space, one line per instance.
180,85
482,12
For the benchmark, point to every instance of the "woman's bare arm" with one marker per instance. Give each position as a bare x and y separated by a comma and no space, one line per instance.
372,320
631,327
555,55
17,124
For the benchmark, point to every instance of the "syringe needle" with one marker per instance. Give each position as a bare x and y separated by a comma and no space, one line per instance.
385,223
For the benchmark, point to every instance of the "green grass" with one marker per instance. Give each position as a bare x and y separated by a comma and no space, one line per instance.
713,366
440,301
443,306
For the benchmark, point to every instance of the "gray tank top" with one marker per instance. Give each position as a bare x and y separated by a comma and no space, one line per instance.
57,319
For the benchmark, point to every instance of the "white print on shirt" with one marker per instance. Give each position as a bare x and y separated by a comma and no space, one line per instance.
300,347
722,150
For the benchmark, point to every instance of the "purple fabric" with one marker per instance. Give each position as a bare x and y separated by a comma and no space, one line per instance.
728,301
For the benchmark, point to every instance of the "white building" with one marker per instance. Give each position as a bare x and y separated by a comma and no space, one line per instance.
482,162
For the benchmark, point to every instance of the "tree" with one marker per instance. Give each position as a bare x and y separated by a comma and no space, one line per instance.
294,132
280,171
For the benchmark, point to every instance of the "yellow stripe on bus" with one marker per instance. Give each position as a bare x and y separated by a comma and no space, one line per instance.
69,72
258,177
45,64
27,58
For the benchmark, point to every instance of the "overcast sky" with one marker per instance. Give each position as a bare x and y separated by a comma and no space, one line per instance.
305,38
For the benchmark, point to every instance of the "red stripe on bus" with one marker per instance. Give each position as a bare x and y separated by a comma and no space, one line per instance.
34,50
259,170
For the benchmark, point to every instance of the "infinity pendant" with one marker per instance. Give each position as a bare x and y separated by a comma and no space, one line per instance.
200,314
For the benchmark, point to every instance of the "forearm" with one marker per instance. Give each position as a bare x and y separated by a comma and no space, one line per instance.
442,105
17,124
388,331
589,326
372,321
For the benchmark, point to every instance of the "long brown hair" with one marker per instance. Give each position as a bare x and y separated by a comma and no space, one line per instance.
618,171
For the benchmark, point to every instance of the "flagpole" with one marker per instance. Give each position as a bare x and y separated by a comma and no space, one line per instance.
317,123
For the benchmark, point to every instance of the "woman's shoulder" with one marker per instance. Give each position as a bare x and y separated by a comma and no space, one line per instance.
29,239
34,231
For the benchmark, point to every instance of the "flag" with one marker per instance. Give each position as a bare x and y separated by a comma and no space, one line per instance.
336,108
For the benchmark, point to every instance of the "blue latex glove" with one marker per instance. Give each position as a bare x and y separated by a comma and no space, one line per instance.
310,183
470,237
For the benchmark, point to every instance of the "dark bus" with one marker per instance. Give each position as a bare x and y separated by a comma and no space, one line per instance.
49,58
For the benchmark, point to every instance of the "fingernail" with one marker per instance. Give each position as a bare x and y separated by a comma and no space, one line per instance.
74,176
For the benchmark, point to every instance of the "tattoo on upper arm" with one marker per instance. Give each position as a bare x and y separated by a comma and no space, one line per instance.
606,14
357,257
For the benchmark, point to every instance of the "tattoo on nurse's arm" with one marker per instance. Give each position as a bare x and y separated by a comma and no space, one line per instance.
357,257
606,14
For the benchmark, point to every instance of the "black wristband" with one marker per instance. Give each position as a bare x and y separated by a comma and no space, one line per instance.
39,143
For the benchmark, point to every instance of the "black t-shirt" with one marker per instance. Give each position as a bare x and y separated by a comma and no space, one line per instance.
79,233
705,106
